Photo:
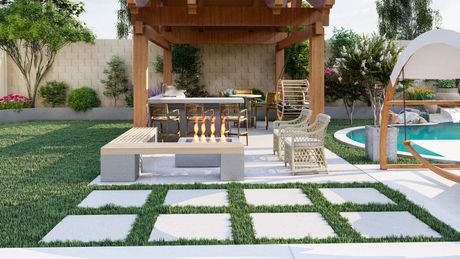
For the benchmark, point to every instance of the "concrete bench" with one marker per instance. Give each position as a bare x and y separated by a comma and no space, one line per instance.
124,166
120,159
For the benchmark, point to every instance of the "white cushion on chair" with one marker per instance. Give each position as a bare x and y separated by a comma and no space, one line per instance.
288,141
276,132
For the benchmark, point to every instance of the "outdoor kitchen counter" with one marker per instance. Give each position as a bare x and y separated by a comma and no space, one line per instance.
179,103
204,100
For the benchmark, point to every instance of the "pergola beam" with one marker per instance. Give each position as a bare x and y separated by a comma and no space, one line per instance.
156,37
296,37
224,37
228,17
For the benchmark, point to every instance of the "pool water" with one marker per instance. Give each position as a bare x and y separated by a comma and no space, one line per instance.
442,131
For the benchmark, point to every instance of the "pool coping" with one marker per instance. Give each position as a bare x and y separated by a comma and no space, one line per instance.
341,136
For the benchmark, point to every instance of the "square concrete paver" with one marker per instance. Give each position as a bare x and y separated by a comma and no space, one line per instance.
385,224
270,197
97,199
354,195
291,225
89,228
171,227
211,198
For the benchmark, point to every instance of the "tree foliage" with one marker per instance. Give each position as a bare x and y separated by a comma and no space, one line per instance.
116,83
297,60
342,38
405,20
32,33
186,65
369,64
124,24
74,8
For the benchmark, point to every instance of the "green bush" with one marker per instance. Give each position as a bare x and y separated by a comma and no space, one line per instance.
53,93
84,98
447,84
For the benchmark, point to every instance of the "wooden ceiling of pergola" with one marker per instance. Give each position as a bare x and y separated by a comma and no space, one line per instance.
229,21
167,22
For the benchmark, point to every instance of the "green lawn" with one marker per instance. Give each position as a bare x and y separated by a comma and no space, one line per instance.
45,168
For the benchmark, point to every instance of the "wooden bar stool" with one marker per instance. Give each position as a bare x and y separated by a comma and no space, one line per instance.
195,112
267,105
159,113
233,113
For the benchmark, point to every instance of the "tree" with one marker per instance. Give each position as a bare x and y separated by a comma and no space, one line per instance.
116,83
369,64
341,38
405,20
186,64
69,6
124,25
297,58
32,33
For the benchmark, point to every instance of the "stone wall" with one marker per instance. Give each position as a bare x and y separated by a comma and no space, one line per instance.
83,64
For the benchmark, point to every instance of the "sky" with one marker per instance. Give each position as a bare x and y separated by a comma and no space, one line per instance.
358,15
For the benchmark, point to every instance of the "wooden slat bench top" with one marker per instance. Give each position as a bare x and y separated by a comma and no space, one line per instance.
172,148
136,135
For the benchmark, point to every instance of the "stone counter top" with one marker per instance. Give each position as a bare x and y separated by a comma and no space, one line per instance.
204,100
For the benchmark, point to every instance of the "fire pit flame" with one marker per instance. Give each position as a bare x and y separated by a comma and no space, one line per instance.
200,135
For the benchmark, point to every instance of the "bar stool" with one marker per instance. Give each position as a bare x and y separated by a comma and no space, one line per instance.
160,113
267,105
196,112
233,113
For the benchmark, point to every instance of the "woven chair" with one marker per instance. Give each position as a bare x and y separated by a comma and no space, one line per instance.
267,105
293,98
304,151
159,113
234,114
280,127
195,112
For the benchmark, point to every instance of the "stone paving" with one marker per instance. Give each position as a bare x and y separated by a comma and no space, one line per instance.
217,226
212,198
276,197
386,224
97,199
354,195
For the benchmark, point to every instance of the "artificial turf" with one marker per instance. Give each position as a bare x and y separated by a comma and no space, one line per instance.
45,168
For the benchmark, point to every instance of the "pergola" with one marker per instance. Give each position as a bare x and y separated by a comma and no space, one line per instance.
167,22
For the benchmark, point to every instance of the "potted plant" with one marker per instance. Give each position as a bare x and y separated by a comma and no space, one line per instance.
369,63
423,94
447,90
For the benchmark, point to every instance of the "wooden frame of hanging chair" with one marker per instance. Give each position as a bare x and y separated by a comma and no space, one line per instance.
422,43
292,97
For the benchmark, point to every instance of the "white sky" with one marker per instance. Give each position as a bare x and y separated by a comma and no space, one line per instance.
358,15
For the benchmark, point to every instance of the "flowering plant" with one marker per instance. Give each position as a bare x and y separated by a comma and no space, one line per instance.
421,94
369,63
14,102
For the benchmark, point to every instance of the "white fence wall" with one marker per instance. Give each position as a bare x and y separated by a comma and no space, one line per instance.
3,79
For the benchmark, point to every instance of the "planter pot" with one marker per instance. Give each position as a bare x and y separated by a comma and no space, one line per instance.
34,114
448,94
373,143
431,109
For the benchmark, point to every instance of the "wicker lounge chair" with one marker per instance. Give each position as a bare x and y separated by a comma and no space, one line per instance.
304,151
279,128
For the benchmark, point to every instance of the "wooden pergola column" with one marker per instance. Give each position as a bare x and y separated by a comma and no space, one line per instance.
317,70
140,75
167,66
279,65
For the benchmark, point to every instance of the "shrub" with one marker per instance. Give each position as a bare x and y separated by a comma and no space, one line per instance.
53,93
447,84
129,97
84,98
14,102
259,92
116,83
421,94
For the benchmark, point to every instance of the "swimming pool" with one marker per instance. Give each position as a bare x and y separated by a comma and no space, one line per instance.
442,131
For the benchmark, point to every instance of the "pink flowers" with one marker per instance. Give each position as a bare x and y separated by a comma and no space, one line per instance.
14,101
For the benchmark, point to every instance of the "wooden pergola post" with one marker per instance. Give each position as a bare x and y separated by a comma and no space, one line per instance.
167,66
317,70
140,75
279,65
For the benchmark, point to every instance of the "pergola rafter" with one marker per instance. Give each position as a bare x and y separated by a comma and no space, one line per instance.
167,22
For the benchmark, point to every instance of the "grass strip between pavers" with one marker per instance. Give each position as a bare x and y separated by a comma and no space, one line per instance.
241,222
